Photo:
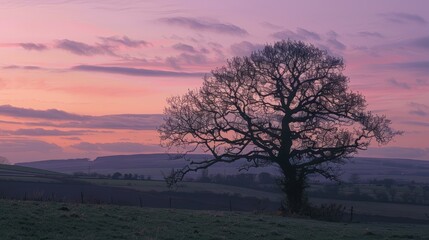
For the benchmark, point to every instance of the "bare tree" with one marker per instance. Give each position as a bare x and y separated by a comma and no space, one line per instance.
4,160
286,105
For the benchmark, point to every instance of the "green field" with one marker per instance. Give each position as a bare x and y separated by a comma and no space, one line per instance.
392,210
161,186
20,173
50,220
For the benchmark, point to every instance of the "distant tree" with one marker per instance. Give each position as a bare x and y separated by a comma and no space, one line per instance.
286,105
266,178
354,178
204,175
117,175
4,160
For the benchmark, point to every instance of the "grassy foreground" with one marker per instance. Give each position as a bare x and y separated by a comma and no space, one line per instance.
50,220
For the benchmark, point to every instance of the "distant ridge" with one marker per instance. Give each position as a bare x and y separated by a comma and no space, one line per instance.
149,164
155,165
60,165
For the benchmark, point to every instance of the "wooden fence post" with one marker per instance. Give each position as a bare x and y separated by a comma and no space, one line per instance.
230,205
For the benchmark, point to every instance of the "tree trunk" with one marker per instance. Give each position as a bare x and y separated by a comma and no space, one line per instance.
293,185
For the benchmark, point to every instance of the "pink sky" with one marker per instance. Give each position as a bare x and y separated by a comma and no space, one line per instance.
89,78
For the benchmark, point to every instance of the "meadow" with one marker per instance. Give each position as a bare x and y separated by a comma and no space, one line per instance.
25,183
22,220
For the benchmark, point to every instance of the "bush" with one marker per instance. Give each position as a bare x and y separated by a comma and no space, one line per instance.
328,212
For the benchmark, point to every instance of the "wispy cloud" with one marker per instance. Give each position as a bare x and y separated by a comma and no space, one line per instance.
187,59
25,145
106,45
370,34
22,67
51,114
123,41
45,132
61,119
416,123
399,152
136,71
72,138
34,46
83,49
184,47
398,84
244,48
120,121
421,42
420,66
125,147
328,41
205,25
333,42
270,25
300,34
400,17
419,109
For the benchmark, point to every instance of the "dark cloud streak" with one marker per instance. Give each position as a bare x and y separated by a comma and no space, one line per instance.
244,48
300,34
84,49
205,25
60,119
403,18
184,47
136,71
22,67
126,147
25,145
51,114
370,34
418,109
398,84
124,41
421,66
33,46
46,132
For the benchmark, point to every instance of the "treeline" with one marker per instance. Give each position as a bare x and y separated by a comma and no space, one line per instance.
116,175
376,190
263,181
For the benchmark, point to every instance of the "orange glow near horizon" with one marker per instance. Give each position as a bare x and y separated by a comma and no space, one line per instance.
104,71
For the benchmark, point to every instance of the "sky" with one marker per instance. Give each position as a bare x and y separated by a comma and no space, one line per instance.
91,78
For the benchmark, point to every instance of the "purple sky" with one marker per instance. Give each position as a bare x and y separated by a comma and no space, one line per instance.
88,78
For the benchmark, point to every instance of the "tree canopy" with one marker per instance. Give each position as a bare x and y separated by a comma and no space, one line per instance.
287,105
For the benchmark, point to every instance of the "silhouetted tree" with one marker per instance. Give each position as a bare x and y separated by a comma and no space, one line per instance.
266,178
286,105
117,175
4,160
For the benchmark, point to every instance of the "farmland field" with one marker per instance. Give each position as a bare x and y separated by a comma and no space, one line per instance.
50,220
32,184
160,186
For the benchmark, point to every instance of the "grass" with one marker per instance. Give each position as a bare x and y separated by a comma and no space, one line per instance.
28,174
394,210
50,220
160,186
27,170
19,173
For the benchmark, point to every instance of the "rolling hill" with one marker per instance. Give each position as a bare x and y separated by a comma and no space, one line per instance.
156,165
